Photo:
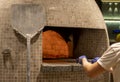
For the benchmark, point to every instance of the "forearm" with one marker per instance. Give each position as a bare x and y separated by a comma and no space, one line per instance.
87,67
92,70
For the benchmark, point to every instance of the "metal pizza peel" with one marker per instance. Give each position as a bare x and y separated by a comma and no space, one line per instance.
28,20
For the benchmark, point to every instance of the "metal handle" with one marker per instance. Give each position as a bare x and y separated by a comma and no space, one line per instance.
7,59
28,57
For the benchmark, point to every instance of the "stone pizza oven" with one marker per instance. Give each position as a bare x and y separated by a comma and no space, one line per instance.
78,24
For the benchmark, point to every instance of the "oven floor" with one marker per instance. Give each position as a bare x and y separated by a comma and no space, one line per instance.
59,61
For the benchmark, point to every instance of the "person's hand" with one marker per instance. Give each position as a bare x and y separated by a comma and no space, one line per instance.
95,59
79,60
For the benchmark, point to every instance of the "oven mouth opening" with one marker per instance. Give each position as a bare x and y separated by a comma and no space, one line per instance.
78,41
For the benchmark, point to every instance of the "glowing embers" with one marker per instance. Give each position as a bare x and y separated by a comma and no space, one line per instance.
55,45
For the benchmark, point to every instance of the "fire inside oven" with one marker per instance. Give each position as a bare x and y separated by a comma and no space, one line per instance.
58,43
